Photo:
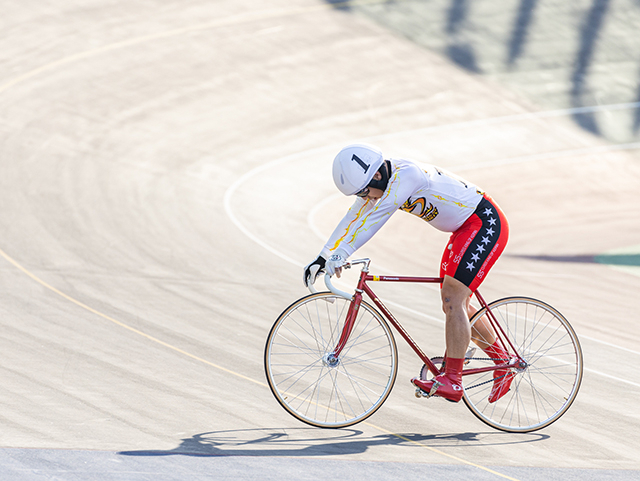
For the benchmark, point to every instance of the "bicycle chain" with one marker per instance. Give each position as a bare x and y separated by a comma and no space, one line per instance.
485,382
485,359
490,380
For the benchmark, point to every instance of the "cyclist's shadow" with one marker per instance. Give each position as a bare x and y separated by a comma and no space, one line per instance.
306,442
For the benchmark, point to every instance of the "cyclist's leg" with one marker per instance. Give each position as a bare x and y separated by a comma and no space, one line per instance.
455,300
482,334
454,268
471,252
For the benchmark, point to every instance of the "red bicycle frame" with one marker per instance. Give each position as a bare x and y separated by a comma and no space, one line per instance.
363,287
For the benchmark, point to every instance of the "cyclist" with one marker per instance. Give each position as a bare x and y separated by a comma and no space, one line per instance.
479,233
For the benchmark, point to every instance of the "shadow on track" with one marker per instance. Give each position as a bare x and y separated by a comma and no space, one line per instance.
294,443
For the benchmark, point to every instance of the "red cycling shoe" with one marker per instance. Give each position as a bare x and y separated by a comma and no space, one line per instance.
442,385
502,377
501,385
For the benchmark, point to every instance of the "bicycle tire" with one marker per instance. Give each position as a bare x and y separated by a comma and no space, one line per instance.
545,386
307,385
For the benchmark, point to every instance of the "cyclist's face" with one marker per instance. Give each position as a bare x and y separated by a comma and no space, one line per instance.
375,194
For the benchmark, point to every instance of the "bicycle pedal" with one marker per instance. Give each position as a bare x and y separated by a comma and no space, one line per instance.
421,393
434,388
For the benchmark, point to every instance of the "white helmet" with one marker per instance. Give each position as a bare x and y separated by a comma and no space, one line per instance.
354,167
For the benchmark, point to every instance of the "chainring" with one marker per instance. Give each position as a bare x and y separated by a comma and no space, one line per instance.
426,375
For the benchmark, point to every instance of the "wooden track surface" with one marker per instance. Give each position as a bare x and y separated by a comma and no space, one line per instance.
164,176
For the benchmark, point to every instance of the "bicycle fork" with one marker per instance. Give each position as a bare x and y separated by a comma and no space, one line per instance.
333,358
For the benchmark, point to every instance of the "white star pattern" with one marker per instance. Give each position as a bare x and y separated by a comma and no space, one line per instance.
475,257
470,266
480,248
488,211
492,221
485,240
490,231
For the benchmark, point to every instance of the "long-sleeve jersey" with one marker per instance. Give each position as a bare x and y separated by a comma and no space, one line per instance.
442,199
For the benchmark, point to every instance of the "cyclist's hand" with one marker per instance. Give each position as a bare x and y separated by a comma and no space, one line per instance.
335,262
312,270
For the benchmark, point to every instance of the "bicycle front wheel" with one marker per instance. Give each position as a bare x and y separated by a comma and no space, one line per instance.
544,383
309,383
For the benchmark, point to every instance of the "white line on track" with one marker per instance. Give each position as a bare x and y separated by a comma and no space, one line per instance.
604,374
252,173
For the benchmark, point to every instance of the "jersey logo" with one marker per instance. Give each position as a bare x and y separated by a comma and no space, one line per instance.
419,207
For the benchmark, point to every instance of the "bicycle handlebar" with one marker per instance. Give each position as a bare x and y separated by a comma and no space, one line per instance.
335,290
331,287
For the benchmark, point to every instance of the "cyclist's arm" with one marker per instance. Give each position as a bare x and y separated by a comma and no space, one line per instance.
354,216
366,217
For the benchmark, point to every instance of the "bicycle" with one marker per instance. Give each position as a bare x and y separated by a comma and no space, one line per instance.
331,359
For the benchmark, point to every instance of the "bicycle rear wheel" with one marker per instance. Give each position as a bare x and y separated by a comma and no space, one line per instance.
316,389
545,385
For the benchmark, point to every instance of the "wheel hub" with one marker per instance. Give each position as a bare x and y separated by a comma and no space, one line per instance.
330,360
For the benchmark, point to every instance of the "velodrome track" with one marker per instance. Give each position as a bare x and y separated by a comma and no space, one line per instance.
164,176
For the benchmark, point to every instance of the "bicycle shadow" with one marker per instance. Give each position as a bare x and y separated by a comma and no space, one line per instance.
305,442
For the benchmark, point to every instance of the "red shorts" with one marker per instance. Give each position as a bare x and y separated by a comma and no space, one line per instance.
476,245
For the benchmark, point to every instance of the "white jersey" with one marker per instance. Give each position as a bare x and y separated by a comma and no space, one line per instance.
442,199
